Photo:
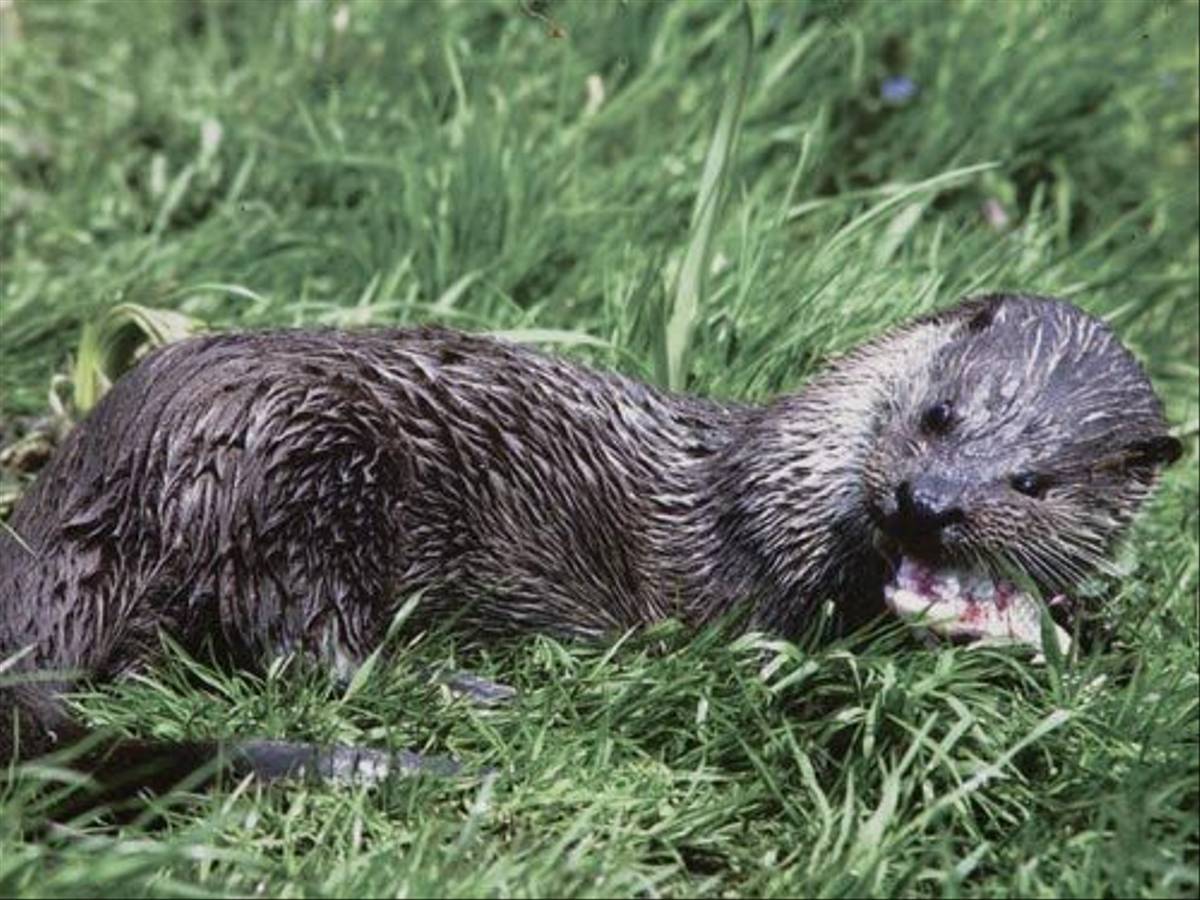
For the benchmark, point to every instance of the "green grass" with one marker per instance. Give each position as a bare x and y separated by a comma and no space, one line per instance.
255,163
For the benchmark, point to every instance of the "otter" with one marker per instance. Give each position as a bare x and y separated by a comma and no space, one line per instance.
283,491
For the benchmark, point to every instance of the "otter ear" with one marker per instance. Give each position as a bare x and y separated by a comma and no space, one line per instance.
980,311
982,316
1153,453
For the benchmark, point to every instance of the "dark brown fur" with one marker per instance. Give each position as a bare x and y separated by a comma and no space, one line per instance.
284,491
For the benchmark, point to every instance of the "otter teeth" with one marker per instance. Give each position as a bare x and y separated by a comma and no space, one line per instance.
967,603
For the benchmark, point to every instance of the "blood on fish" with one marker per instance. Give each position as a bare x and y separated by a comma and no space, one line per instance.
973,613
1004,595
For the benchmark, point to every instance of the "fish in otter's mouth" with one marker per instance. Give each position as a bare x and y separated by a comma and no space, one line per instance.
967,604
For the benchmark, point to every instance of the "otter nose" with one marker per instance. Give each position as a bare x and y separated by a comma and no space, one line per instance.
927,504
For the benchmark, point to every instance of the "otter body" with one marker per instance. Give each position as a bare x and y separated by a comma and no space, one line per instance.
286,491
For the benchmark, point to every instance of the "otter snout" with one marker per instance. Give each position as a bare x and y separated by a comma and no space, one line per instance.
925,505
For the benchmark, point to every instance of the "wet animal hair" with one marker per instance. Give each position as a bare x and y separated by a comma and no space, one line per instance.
1035,430
284,491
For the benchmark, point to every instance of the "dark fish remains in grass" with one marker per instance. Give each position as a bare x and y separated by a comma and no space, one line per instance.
285,491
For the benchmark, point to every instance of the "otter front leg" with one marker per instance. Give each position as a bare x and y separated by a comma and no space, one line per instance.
479,691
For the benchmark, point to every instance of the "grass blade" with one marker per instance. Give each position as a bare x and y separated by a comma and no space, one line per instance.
689,288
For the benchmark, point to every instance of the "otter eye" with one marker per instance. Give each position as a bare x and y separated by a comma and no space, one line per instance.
938,418
1029,483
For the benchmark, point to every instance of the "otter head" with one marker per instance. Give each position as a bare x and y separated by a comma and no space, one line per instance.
1024,441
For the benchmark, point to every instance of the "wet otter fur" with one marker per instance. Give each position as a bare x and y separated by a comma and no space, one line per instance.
284,491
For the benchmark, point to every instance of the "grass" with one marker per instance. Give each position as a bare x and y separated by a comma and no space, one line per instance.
253,163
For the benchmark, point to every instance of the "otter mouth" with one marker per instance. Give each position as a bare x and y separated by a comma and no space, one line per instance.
967,605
